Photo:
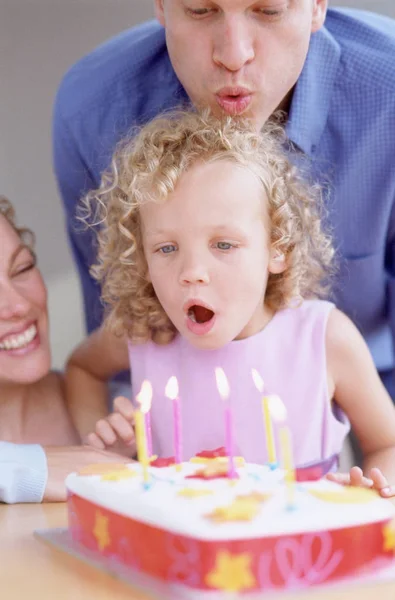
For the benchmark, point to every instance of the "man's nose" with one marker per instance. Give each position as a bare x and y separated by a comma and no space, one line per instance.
13,304
234,45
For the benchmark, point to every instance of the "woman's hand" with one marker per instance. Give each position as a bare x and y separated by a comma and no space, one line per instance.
355,477
116,431
62,460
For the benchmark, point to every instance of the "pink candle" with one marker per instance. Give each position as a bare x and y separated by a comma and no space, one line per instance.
229,441
148,433
171,392
177,430
223,388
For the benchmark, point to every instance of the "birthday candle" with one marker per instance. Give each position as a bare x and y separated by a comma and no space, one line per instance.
171,392
286,452
279,414
267,420
148,433
224,390
144,401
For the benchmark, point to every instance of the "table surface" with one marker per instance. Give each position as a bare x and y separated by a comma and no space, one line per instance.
30,569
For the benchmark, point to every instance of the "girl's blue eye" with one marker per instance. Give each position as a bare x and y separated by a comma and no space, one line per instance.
224,246
167,249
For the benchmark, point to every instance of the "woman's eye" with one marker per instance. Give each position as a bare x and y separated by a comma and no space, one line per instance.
168,249
24,268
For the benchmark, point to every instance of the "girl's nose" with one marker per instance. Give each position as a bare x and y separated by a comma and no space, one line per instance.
194,273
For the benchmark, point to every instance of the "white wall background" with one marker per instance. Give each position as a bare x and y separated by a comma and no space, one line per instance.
39,40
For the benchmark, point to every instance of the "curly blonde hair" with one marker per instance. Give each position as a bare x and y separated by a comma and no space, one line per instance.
147,166
8,211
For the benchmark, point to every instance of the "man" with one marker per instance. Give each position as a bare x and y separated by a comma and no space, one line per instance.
331,71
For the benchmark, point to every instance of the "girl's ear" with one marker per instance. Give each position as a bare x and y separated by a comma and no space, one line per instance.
277,262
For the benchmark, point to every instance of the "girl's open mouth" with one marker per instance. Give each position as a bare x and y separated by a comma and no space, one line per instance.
200,319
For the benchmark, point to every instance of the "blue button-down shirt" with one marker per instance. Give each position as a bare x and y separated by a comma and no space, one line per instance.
342,116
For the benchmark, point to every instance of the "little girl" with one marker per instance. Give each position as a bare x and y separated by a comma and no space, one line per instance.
211,254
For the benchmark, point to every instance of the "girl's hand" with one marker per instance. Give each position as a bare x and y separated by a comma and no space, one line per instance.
355,477
116,432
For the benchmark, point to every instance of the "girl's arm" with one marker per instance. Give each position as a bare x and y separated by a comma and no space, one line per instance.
98,358
358,390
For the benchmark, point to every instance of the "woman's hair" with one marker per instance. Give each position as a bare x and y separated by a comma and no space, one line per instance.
147,166
8,211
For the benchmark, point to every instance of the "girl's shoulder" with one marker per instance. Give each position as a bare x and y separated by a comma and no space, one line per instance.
304,316
310,308
342,335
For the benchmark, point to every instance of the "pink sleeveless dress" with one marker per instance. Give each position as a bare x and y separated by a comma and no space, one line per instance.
290,355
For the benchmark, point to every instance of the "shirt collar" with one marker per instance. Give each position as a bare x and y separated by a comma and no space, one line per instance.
312,94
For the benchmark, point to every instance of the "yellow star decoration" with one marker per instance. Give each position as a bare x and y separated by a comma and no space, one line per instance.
389,536
232,573
254,497
119,475
194,493
201,460
345,495
239,510
213,469
100,531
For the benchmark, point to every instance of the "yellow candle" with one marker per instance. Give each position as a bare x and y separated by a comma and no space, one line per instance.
286,452
267,419
271,449
141,443
144,401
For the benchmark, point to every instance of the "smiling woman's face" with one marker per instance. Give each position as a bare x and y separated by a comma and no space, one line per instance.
24,344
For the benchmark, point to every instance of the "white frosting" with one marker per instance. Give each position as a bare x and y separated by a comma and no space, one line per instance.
161,505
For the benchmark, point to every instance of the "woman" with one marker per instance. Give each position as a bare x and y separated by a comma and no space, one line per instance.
38,446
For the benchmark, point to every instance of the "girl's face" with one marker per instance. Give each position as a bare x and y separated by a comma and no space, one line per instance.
208,253
24,344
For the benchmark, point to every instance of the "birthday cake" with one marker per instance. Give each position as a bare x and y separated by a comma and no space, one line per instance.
190,525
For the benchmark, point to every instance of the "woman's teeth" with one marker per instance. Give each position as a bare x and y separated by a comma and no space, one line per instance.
19,341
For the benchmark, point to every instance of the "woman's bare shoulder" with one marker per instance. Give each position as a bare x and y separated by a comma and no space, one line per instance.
53,410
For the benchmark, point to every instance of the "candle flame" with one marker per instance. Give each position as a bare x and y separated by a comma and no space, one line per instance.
171,390
144,397
277,409
258,381
222,383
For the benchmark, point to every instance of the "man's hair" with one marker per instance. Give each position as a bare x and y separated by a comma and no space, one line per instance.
147,166
8,211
